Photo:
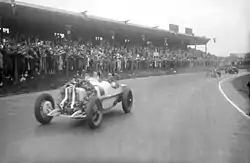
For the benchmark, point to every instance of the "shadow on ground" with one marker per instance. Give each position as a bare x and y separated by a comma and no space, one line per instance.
60,126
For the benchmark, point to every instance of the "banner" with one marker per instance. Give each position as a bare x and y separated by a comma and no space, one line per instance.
174,28
188,31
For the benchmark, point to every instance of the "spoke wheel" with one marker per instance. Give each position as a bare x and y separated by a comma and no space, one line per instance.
43,105
94,113
127,100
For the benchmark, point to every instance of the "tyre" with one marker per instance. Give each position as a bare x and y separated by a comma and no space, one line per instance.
94,113
127,100
43,105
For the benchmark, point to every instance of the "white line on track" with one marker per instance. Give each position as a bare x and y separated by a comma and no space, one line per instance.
230,101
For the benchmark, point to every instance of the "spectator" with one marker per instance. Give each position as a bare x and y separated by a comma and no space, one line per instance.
48,57
248,86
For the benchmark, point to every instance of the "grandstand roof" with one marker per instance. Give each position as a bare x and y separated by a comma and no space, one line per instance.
238,55
56,19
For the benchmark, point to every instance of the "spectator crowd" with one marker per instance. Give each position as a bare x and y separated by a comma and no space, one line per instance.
24,58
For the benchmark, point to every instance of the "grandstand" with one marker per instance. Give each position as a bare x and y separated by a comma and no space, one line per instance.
32,33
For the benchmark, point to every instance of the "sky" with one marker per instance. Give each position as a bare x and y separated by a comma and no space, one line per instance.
226,20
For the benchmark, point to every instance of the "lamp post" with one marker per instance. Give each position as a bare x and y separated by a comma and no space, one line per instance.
113,39
126,21
68,31
1,30
143,40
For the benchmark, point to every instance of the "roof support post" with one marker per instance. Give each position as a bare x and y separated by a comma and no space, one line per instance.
13,6
68,32
113,39
1,29
206,48
143,40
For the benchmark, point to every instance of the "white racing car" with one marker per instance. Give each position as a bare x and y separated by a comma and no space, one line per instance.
88,100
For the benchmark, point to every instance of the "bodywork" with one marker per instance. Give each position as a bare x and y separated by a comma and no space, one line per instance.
232,70
73,97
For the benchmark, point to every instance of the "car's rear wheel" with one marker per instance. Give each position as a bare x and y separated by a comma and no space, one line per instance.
127,100
94,113
43,105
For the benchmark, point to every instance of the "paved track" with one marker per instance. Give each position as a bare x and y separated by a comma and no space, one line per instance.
181,118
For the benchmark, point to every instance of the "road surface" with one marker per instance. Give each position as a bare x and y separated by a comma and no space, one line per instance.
180,118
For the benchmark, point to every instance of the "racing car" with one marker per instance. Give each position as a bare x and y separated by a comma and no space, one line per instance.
232,70
75,102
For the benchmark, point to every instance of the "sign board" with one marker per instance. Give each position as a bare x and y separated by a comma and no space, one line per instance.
174,28
188,31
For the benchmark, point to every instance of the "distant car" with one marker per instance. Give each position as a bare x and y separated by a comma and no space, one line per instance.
232,70
73,103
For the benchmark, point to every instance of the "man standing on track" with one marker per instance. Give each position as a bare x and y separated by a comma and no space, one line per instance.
248,86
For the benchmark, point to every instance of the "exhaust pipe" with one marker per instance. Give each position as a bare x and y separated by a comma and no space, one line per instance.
73,97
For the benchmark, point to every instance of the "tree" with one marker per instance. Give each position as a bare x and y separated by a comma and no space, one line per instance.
247,56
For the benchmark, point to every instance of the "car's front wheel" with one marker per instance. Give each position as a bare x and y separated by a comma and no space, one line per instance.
94,113
127,100
43,105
